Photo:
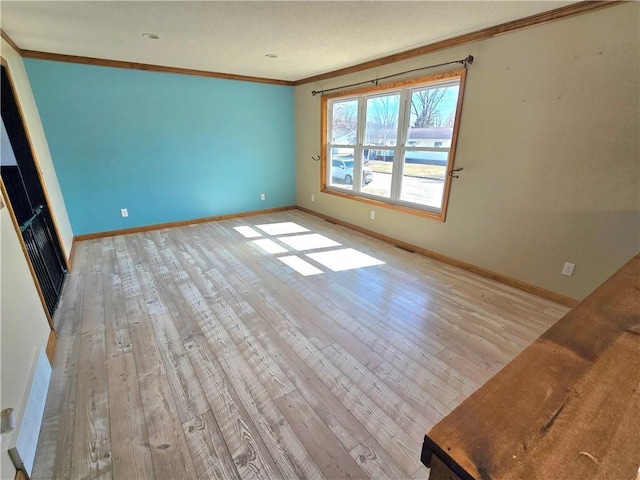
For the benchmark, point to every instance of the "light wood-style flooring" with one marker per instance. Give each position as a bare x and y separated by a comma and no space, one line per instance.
192,352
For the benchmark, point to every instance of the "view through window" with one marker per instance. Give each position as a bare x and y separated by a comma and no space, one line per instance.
394,143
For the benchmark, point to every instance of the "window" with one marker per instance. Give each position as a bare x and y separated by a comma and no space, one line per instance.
393,143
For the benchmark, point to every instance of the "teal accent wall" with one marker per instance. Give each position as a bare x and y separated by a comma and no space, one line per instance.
167,147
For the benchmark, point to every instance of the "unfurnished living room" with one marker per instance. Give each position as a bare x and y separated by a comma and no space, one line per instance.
320,239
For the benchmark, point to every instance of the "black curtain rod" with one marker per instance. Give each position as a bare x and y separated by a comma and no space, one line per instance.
464,61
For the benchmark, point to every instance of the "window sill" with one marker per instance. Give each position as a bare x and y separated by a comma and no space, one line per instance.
440,216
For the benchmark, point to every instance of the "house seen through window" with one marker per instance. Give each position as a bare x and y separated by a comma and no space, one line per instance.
394,143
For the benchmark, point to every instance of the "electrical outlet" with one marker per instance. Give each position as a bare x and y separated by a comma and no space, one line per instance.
263,196
568,269
124,212
313,197
373,215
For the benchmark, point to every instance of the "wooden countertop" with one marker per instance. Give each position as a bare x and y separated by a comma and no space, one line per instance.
567,407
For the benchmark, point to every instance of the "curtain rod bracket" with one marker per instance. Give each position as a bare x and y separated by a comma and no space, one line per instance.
451,173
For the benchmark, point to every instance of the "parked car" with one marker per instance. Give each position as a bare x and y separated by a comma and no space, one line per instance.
342,170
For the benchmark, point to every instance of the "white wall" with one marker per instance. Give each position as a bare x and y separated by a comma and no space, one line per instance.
23,322
550,148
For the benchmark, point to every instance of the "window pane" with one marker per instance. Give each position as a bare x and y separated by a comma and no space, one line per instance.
376,172
433,112
344,122
341,173
382,120
423,178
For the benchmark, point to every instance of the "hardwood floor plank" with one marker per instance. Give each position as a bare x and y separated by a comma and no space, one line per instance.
131,455
91,433
348,313
169,450
400,353
169,283
232,261
116,323
284,446
94,258
268,371
69,312
443,382
80,257
427,326
93,315
332,458
55,444
198,288
421,473
211,458
421,399
403,414
340,421
154,302
189,397
307,304
399,445
143,342
376,462
325,316
117,329
107,251
245,445
129,283
272,377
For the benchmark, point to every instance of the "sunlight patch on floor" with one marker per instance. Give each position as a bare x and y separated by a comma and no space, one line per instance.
283,242
344,259
301,266
284,228
312,241
247,232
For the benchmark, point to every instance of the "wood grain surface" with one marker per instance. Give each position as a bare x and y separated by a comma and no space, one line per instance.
190,352
566,407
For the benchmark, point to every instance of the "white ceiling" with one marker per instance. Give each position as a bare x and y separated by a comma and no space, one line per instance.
309,37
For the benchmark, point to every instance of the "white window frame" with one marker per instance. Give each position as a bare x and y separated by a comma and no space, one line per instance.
405,88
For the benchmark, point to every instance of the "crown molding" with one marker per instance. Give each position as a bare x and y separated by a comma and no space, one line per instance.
101,62
8,39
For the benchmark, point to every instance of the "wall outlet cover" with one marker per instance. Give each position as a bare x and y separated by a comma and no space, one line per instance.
568,269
